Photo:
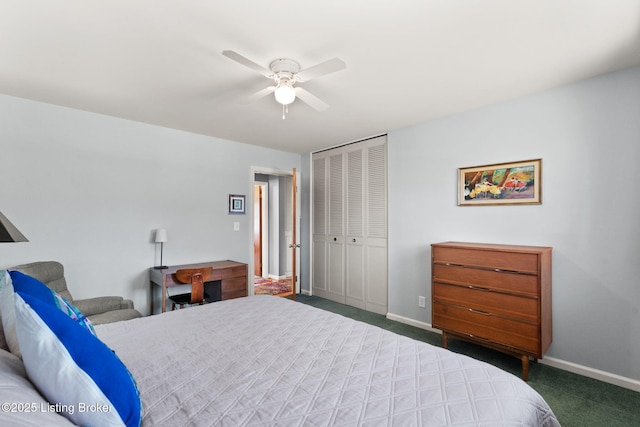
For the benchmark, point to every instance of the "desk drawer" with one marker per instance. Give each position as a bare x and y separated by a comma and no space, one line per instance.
234,287
226,273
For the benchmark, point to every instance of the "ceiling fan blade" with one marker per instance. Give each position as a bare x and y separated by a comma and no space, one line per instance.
257,95
310,99
262,93
326,67
246,62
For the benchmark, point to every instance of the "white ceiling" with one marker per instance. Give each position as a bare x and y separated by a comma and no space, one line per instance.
408,61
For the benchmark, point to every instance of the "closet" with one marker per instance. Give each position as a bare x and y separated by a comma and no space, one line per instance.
350,224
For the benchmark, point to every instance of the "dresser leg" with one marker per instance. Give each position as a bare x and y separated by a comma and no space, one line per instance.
525,367
444,339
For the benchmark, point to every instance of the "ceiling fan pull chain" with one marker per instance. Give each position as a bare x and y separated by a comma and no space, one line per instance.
284,110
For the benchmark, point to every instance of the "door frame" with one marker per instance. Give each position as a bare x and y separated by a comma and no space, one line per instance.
265,226
274,172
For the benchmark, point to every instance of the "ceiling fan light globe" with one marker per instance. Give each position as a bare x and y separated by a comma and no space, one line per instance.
285,94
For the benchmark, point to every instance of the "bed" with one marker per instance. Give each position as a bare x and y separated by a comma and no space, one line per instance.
269,361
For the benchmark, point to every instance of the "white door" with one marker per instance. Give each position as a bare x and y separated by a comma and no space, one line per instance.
328,226
350,225
355,223
319,228
376,297
335,244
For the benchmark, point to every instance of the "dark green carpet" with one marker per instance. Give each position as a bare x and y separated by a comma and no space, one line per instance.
576,400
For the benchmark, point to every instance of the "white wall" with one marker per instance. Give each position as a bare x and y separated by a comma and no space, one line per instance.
588,136
89,190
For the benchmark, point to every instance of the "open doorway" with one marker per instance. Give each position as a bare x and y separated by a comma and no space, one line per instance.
274,232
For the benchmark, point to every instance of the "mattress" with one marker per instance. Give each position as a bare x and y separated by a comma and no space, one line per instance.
269,361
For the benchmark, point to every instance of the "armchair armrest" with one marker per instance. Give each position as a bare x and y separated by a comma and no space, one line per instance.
98,305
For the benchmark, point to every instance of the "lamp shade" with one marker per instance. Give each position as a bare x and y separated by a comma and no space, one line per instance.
161,235
285,93
8,232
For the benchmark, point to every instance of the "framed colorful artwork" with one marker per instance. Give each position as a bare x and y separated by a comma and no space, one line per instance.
501,184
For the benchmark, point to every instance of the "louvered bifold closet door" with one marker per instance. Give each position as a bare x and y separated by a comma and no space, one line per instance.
335,259
320,211
375,244
354,242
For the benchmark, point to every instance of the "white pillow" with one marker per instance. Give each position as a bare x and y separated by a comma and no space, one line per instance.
8,317
23,405
73,368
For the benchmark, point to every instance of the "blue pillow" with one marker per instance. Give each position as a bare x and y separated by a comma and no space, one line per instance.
32,286
72,367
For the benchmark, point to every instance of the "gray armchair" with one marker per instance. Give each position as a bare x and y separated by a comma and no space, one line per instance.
98,310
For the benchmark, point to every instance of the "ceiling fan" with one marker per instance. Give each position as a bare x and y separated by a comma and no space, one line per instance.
285,73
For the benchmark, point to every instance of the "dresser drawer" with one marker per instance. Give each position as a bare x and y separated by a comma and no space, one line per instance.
510,333
509,306
490,279
489,259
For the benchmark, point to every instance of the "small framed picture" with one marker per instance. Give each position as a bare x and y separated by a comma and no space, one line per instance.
501,184
236,204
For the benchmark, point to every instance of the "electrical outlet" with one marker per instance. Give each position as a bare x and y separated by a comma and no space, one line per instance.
236,226
422,302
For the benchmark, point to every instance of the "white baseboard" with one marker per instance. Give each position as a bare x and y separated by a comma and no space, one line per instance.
412,322
596,374
585,371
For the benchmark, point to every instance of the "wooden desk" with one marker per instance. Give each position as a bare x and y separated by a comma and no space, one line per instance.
232,275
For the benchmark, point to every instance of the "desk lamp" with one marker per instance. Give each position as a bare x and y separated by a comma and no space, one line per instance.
161,237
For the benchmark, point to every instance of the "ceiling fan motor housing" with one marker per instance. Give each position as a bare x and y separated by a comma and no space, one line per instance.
284,66
284,71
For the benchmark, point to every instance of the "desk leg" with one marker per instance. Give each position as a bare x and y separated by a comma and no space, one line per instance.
151,285
164,296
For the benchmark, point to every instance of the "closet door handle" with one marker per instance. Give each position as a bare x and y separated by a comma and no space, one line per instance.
354,240
335,239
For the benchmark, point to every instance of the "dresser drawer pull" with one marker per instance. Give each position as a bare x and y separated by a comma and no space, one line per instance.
480,267
484,313
476,288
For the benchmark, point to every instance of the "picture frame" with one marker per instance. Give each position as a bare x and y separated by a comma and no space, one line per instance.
514,183
236,204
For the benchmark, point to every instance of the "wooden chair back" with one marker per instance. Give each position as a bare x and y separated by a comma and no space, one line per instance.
196,277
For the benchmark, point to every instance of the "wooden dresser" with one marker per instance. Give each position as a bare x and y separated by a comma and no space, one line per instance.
498,296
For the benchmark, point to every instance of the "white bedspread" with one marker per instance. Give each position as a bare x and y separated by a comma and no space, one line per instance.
269,361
